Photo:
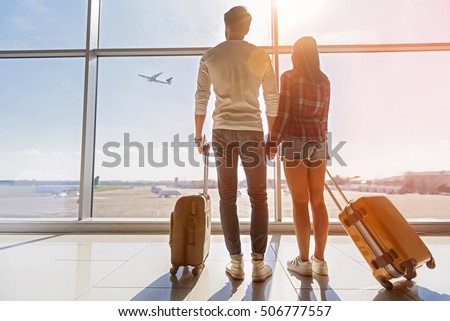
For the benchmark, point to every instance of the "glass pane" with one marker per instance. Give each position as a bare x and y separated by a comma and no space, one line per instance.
364,22
176,23
42,105
391,110
43,24
143,128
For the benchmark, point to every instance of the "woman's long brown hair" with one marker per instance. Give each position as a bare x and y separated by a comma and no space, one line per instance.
305,59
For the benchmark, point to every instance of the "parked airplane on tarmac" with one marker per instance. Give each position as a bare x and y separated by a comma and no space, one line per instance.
61,190
168,193
154,78
164,193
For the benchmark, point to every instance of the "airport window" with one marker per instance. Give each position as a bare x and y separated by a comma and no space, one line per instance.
334,22
143,160
41,105
42,24
176,23
395,143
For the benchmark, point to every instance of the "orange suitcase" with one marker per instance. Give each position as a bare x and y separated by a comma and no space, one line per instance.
383,236
190,228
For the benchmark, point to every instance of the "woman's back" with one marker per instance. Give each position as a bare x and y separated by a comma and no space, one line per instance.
301,125
304,105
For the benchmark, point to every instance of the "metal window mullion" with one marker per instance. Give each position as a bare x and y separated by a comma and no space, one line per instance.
278,206
64,53
151,52
368,48
89,112
198,51
275,49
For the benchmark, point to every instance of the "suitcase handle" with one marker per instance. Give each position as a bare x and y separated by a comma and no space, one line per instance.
338,189
171,229
206,148
191,231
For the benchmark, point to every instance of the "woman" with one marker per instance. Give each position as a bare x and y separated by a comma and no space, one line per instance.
301,127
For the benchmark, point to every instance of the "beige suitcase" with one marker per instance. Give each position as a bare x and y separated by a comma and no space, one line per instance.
190,228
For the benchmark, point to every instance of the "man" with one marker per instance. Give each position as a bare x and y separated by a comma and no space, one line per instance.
236,69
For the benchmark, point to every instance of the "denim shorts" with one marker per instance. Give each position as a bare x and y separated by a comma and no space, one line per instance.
294,148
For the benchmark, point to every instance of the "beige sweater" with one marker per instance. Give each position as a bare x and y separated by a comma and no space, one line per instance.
236,69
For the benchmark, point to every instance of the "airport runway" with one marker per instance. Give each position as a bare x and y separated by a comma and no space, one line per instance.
140,202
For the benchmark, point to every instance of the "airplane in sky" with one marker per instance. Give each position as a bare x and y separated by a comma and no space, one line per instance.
60,190
154,78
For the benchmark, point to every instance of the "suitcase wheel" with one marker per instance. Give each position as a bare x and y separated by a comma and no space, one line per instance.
197,269
174,269
431,264
385,283
411,274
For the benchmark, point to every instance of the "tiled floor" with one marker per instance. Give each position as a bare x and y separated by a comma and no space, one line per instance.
136,267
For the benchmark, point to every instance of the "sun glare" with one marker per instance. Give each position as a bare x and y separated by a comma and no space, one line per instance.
292,12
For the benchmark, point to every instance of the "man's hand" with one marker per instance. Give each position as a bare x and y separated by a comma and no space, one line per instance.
200,142
200,149
199,139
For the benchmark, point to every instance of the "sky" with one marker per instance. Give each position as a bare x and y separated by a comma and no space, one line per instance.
391,109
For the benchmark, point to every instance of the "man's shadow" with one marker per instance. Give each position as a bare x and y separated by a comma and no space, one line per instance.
169,287
256,291
307,293
410,290
229,289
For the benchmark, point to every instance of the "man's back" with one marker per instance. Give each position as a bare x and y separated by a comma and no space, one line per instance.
236,69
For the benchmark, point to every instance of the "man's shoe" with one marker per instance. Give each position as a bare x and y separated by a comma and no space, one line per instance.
300,267
261,272
319,267
236,269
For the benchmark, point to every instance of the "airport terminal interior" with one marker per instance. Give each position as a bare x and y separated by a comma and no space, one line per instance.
97,145
124,267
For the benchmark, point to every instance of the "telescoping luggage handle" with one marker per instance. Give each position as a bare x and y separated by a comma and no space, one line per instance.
338,189
206,148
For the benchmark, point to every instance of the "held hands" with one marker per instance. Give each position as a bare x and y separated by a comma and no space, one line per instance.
271,152
271,148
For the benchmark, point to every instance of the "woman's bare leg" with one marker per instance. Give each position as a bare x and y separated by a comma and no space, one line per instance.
296,173
316,181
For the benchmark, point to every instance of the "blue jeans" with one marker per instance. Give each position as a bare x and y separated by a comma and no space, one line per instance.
228,145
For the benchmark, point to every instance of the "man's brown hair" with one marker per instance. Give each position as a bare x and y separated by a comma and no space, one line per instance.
238,19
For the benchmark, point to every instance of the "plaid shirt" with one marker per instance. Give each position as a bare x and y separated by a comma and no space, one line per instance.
303,109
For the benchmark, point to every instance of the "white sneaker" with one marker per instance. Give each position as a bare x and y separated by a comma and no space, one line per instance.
319,267
260,271
300,267
236,269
